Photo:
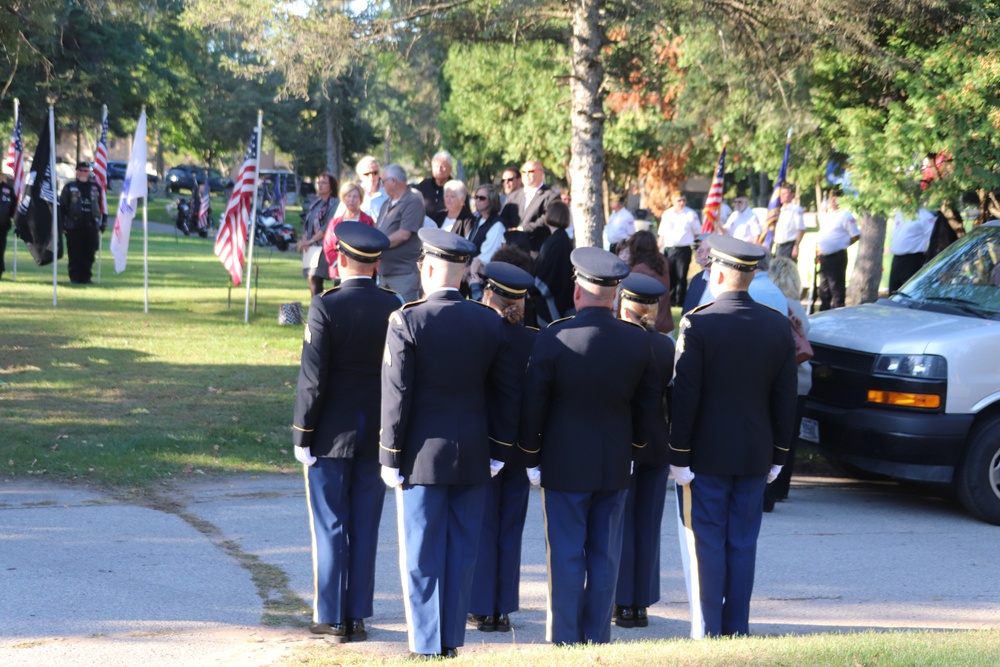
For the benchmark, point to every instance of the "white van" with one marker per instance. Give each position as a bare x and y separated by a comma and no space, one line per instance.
909,386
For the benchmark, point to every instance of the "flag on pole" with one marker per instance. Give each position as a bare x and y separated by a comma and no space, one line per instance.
231,241
33,220
15,156
101,162
133,189
203,209
774,205
278,210
713,203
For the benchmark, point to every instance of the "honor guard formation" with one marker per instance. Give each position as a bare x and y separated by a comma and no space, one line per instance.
459,408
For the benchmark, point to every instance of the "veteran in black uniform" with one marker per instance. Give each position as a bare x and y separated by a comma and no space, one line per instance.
450,402
591,396
7,208
498,567
80,216
639,573
732,411
335,433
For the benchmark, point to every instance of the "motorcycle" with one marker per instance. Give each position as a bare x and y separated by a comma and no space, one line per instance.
187,219
271,232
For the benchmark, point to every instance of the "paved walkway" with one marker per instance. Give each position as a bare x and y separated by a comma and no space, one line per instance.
90,579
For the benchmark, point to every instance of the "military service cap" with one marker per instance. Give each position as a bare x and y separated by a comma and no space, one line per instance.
642,289
83,164
360,241
736,254
508,280
446,245
598,266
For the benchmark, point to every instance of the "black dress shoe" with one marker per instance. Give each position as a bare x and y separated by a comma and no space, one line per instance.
447,652
334,632
356,630
624,617
476,619
488,624
768,503
641,617
503,623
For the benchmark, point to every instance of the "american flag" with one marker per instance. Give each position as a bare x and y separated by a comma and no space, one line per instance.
774,205
15,158
231,241
710,215
101,162
279,199
203,209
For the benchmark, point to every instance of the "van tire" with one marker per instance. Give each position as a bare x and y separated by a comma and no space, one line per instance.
978,480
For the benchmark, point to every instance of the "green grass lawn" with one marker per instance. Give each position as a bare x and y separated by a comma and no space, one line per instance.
95,389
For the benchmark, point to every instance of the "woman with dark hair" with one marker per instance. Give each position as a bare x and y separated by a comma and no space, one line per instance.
314,224
642,255
498,566
639,570
553,268
486,230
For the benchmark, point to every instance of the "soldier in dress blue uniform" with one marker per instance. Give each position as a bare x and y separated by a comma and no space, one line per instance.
450,403
591,396
335,433
639,573
498,567
732,411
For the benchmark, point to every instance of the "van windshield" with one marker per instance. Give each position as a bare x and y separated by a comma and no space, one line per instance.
965,276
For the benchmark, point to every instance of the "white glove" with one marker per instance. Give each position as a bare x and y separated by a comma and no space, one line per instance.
495,467
631,470
304,456
391,477
535,476
773,475
682,475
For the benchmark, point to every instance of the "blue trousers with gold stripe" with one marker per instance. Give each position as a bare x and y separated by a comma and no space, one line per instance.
639,573
438,540
720,517
498,566
345,498
583,540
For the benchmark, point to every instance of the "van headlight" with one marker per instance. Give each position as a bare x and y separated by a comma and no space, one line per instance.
925,366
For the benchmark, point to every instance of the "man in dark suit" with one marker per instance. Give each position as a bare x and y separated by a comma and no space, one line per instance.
697,288
591,398
442,438
400,218
732,413
335,433
528,204
432,187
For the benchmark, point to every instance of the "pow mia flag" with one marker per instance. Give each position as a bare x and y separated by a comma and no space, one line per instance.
33,220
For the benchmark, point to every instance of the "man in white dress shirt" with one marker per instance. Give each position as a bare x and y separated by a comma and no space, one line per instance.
910,239
678,228
371,184
837,231
791,225
743,224
621,223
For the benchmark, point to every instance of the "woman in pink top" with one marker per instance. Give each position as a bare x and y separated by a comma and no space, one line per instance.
351,196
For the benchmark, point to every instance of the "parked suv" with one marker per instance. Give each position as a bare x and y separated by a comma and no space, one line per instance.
184,177
117,170
909,387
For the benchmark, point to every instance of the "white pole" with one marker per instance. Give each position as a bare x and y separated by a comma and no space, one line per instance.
55,203
253,218
145,250
104,201
17,112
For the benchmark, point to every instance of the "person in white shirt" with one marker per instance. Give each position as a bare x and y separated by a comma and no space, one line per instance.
679,226
910,239
837,231
621,223
743,224
791,225
371,184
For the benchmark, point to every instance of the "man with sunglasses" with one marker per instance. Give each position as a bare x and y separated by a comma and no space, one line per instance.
81,218
530,204
371,185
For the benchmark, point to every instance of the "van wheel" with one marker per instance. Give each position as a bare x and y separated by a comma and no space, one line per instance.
978,480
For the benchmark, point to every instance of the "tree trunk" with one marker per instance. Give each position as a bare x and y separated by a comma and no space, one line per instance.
333,141
385,147
867,275
586,165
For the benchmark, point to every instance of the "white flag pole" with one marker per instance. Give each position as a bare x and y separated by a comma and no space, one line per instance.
55,203
104,202
253,217
17,112
145,249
